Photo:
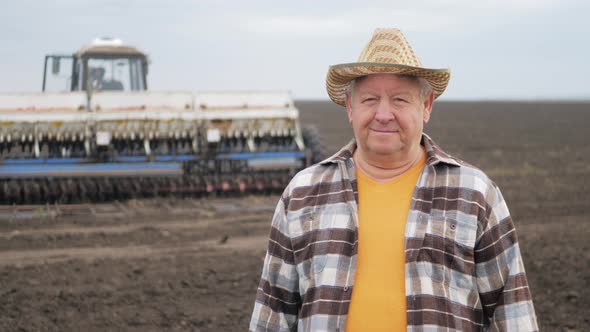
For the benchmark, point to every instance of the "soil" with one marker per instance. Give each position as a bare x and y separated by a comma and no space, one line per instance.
179,264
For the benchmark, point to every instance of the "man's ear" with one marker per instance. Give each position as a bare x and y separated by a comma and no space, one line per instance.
428,102
349,108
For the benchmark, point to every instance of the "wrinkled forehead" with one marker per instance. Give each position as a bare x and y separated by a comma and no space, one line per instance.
384,78
391,82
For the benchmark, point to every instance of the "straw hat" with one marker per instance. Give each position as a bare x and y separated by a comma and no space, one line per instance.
387,52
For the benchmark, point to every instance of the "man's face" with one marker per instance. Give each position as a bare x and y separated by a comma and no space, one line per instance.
387,115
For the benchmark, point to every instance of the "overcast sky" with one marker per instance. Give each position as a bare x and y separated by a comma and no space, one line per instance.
503,49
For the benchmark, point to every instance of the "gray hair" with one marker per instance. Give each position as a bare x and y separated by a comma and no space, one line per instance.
425,87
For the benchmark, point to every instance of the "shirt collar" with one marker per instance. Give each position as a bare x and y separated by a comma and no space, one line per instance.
434,154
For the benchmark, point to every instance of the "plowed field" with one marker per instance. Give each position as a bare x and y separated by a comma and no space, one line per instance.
193,264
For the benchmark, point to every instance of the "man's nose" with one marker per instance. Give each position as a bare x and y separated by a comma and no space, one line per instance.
384,112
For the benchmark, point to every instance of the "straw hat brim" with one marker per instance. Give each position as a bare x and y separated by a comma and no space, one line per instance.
340,75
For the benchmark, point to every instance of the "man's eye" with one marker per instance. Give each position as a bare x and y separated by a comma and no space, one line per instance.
400,100
369,99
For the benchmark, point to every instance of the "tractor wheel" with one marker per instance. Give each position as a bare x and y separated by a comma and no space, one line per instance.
313,143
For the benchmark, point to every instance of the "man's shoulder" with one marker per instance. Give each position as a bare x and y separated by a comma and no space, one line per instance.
464,177
326,171
468,169
315,174
464,173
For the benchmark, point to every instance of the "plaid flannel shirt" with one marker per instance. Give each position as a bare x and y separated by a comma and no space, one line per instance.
463,267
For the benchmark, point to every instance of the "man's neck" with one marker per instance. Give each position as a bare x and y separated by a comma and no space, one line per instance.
384,169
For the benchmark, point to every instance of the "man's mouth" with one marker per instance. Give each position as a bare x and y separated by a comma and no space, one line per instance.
383,130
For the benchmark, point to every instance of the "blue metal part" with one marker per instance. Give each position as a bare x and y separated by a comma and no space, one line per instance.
38,161
83,170
137,159
167,165
221,156
261,155
140,159
186,157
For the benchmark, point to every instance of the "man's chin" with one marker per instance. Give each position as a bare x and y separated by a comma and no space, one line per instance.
384,151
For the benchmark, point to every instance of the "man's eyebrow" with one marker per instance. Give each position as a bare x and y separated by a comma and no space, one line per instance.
404,94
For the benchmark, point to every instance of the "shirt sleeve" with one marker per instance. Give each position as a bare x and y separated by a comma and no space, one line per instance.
277,298
501,278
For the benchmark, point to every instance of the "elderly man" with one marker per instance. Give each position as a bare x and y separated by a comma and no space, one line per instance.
391,233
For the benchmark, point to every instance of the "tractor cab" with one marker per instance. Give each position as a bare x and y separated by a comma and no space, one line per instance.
106,64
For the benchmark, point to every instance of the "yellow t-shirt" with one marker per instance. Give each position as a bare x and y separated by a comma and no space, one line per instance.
379,298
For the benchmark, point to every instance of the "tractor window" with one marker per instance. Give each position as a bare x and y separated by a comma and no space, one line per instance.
115,74
58,73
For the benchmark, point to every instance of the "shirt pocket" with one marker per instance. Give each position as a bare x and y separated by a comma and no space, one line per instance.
320,240
446,254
